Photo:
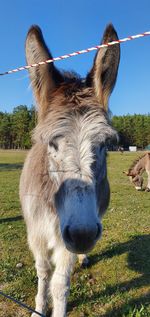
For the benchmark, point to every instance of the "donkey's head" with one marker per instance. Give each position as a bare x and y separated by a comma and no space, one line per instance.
137,181
135,178
74,126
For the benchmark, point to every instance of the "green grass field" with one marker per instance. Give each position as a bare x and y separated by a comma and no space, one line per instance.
117,281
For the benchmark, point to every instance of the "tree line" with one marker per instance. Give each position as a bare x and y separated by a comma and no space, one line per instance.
133,130
16,127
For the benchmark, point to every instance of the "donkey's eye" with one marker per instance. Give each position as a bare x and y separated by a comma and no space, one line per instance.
53,143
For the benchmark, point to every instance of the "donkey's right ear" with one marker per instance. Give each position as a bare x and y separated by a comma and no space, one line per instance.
45,77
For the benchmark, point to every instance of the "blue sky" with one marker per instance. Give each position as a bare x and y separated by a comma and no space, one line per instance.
70,25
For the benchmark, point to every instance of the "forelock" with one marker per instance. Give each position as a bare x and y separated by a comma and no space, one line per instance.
92,123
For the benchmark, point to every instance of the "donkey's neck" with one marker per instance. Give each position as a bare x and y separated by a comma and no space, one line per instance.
139,167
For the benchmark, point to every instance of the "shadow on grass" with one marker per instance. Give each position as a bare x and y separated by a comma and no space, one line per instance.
10,219
10,166
125,309
138,260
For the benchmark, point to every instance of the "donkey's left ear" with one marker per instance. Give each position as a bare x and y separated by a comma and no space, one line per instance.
103,74
124,172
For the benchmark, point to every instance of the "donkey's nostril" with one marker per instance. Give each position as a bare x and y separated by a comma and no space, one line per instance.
67,235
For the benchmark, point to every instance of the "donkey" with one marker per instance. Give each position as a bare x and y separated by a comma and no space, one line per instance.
136,170
64,189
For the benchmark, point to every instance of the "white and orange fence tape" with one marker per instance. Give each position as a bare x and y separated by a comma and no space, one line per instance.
55,59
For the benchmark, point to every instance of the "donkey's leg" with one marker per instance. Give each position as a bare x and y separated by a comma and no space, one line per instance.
43,272
83,259
60,282
148,183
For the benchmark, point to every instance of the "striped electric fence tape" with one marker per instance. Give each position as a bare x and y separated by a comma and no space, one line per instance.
21,304
55,59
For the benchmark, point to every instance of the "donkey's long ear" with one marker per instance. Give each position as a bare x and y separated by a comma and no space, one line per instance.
44,78
104,71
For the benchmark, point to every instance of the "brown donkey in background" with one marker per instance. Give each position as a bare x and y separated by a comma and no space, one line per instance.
64,189
136,170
